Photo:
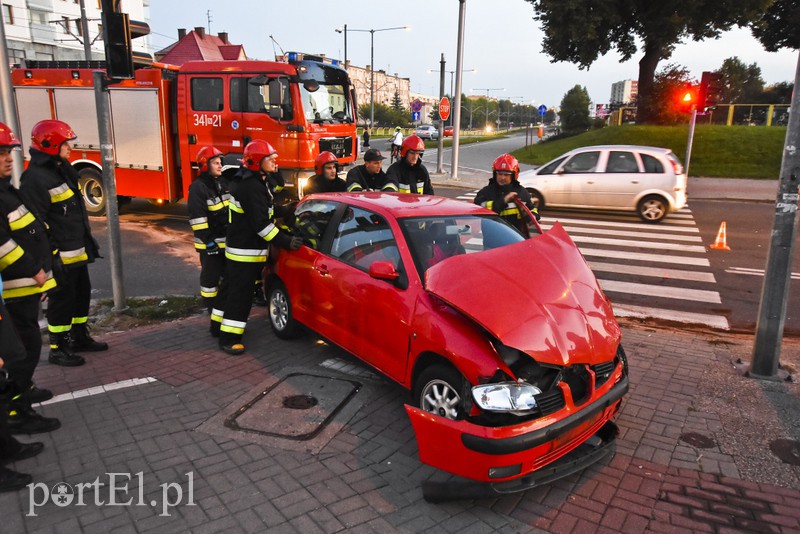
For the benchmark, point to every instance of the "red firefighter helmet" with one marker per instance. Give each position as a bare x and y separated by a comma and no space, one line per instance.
7,137
48,136
506,163
255,151
324,158
412,142
205,155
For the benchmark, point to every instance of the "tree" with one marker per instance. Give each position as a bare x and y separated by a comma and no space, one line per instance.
385,115
550,116
669,86
575,110
397,102
579,31
779,27
779,93
742,84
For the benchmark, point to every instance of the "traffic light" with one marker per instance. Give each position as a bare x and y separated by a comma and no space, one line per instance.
117,38
687,98
710,89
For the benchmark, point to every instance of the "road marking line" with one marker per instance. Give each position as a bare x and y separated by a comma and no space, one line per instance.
670,292
658,272
754,272
627,233
639,244
643,256
97,390
643,226
629,310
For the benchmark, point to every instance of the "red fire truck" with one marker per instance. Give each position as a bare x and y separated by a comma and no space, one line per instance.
162,117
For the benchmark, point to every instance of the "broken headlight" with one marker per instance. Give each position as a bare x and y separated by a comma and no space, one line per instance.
518,398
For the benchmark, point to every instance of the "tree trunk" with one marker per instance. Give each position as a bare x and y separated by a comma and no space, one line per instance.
645,105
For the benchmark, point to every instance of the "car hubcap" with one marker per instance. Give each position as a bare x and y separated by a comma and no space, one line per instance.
93,192
653,210
441,399
279,310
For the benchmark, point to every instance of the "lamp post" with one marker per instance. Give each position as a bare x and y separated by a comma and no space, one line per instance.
487,100
371,63
343,30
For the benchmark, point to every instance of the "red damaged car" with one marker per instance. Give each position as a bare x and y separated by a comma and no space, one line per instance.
509,345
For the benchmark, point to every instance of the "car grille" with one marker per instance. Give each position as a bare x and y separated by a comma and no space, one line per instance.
550,401
341,147
603,372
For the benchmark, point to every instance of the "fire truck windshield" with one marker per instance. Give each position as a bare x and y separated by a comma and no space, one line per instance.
326,103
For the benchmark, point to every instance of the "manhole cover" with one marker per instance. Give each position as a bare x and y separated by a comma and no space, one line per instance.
698,440
788,450
300,402
298,407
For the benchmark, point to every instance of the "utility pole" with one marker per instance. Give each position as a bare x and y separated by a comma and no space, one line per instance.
440,153
777,275
462,8
87,43
7,102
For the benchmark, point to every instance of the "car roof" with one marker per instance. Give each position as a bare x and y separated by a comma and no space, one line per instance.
640,148
402,205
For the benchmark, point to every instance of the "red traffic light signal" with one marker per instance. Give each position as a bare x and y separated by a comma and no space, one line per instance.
710,89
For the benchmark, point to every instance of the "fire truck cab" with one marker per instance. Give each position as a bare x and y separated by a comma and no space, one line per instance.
162,117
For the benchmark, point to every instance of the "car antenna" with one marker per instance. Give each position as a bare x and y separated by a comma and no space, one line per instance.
274,42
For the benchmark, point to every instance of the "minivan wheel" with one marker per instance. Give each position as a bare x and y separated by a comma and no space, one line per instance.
536,199
439,390
652,208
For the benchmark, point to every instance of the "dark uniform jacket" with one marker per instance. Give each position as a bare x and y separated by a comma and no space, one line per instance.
24,247
320,184
49,188
208,211
410,179
359,179
492,197
252,219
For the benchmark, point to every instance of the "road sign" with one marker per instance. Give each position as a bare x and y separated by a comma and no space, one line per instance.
444,108
415,115
416,106
542,110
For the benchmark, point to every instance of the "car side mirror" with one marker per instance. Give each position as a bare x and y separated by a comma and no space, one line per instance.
383,270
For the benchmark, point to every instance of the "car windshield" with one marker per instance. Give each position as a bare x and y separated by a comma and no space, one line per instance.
434,239
327,103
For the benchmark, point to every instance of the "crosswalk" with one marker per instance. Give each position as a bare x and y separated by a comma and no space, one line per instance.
659,271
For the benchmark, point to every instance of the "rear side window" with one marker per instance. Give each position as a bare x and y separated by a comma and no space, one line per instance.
621,162
651,164
583,162
207,94
311,221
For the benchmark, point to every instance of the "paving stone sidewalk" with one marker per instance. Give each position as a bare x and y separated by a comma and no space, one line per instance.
693,455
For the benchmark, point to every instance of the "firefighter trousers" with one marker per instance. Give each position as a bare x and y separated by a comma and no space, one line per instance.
238,300
24,313
213,285
69,304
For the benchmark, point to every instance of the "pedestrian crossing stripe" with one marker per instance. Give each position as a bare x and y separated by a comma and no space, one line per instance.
627,225
638,244
625,233
754,272
653,272
629,310
669,292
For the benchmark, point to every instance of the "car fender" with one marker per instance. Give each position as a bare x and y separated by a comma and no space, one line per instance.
670,198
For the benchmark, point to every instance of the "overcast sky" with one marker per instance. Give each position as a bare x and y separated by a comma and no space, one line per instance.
502,41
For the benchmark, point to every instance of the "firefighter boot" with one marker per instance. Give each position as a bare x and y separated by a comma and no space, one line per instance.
81,341
231,345
60,354
22,419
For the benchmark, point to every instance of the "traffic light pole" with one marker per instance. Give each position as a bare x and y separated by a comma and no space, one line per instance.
777,276
440,146
689,142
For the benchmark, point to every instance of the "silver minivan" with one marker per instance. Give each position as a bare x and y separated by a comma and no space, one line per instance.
644,179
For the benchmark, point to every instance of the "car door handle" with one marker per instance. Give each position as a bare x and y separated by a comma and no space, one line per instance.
634,181
322,269
590,182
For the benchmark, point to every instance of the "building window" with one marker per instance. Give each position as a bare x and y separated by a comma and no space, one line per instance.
79,28
65,20
8,14
16,56
38,17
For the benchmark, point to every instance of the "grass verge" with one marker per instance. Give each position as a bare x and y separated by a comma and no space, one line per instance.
143,311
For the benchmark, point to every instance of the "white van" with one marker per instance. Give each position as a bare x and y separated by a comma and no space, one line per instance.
644,179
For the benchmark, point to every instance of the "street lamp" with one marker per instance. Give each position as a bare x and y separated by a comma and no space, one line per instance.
344,30
487,99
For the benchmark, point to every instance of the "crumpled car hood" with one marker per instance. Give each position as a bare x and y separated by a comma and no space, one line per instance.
538,296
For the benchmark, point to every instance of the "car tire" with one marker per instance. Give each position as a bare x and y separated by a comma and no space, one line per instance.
279,312
652,208
536,199
90,181
439,391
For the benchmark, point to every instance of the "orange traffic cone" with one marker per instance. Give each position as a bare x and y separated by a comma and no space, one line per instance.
721,243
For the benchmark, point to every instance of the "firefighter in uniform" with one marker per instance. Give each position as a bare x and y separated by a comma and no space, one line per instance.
370,175
409,173
251,230
208,217
26,267
503,187
326,179
49,187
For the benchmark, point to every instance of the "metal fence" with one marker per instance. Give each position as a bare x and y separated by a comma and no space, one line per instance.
724,114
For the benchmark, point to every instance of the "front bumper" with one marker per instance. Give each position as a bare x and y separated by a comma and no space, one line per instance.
507,456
